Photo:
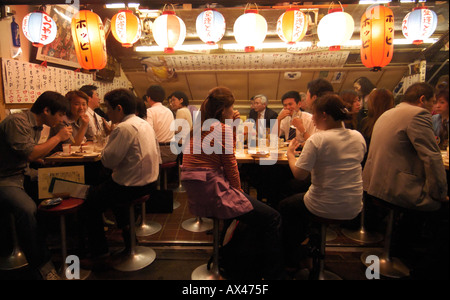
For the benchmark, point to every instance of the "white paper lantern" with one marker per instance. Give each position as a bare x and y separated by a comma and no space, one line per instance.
210,26
419,24
335,29
39,28
250,30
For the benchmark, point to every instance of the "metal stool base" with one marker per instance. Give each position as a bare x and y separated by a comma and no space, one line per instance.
331,235
202,273
197,224
327,275
176,204
16,260
362,236
389,267
142,257
149,228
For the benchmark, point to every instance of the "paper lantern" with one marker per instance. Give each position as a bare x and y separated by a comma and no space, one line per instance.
89,38
169,31
292,26
335,29
419,24
250,29
377,37
210,26
39,28
126,28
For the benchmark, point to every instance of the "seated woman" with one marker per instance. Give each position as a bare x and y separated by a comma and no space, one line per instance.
353,105
333,158
440,119
211,179
76,118
179,103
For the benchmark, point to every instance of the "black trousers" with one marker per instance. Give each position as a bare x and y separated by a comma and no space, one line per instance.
108,195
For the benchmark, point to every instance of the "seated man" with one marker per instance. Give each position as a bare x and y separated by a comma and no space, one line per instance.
135,169
160,117
19,136
292,122
261,111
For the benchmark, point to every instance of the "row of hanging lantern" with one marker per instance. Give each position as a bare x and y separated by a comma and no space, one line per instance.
250,30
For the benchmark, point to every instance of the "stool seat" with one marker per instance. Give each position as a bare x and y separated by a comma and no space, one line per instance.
325,220
67,206
140,200
168,165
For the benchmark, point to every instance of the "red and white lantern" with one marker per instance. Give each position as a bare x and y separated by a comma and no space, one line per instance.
292,26
39,28
169,31
126,28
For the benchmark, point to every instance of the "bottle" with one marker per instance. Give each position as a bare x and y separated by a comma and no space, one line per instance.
15,33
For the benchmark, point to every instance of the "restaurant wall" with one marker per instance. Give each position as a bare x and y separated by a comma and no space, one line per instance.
6,50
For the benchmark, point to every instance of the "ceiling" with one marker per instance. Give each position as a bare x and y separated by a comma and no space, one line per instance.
260,79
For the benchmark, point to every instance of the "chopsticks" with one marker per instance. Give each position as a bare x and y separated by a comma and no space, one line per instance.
71,136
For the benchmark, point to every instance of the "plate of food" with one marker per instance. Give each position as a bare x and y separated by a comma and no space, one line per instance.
51,202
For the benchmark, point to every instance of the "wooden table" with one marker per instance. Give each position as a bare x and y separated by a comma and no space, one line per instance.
246,158
57,157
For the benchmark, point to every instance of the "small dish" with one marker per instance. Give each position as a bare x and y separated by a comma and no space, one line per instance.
51,202
78,154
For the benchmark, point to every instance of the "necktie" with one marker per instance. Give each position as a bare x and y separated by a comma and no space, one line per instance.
292,133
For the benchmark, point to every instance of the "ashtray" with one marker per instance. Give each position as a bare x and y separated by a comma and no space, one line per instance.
51,202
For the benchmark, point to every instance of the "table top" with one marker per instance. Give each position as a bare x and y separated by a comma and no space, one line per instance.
74,157
262,157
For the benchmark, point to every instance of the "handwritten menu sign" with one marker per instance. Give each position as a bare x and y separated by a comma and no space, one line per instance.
256,61
23,81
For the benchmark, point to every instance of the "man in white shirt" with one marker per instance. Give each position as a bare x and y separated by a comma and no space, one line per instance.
132,155
288,125
95,120
160,117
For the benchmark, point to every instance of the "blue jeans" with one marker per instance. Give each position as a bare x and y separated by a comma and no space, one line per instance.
31,238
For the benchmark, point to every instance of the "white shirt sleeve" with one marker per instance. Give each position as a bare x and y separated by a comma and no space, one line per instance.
114,151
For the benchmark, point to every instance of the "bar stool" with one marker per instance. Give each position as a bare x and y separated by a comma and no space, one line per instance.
203,272
16,259
362,235
180,188
197,224
147,227
139,257
319,272
165,167
67,206
389,266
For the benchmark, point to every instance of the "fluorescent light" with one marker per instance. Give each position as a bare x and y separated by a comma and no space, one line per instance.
409,42
191,47
386,1
122,5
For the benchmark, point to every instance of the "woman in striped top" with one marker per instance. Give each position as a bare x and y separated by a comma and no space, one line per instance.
210,176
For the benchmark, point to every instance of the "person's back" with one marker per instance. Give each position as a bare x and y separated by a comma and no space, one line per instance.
336,183
404,164
160,117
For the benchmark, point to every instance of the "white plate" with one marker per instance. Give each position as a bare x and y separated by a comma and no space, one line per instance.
64,154
91,154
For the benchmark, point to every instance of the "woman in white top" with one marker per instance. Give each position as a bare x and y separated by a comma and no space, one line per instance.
332,157
179,102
